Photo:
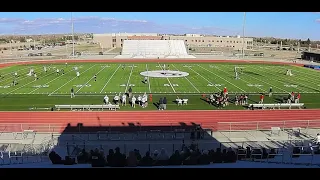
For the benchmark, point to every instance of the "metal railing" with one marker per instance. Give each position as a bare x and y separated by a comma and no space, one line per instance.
266,125
216,126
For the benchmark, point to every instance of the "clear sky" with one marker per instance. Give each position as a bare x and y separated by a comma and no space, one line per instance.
298,25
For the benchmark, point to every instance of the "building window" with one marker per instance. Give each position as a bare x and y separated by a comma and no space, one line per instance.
233,46
234,41
186,40
114,40
191,40
113,45
196,40
121,45
227,41
220,41
202,40
209,41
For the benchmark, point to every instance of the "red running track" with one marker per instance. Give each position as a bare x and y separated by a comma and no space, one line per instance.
242,119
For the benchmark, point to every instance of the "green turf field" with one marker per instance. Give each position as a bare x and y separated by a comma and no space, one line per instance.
51,89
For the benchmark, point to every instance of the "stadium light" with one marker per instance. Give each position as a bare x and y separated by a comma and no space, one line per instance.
243,32
72,28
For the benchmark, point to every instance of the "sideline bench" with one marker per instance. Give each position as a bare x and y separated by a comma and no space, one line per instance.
278,105
88,107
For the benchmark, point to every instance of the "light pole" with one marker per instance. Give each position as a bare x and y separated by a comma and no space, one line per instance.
243,32
72,29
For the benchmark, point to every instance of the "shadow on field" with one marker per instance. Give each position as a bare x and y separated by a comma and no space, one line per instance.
252,73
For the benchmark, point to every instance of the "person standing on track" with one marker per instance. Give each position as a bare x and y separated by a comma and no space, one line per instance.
72,93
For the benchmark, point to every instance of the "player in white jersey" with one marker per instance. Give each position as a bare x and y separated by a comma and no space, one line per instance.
146,80
58,71
133,102
106,99
15,74
35,76
78,74
116,99
44,68
144,101
76,68
124,99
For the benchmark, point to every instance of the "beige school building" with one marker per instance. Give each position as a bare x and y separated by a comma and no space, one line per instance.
115,40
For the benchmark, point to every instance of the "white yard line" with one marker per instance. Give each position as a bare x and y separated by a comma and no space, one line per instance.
272,75
222,78
28,83
69,81
168,79
204,78
190,94
125,91
12,73
187,80
90,79
50,81
18,79
263,90
305,78
148,78
271,85
311,74
110,78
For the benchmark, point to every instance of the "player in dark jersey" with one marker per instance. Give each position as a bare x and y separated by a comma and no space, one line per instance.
95,77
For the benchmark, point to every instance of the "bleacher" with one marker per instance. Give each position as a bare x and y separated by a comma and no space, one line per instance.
154,49
277,106
88,107
32,144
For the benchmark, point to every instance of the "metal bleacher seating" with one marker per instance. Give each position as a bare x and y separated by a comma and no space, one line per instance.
154,49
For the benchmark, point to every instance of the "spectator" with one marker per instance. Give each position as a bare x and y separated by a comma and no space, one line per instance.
146,160
119,159
248,152
175,158
192,159
264,153
83,157
204,158
137,153
55,158
231,156
218,156
224,156
110,157
163,158
132,160
155,155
